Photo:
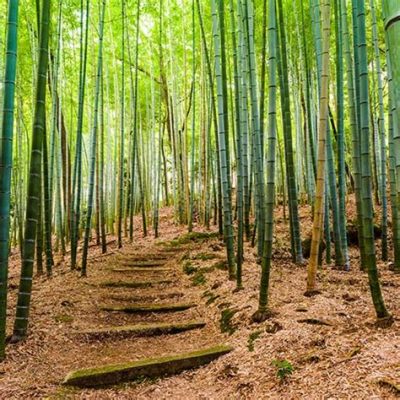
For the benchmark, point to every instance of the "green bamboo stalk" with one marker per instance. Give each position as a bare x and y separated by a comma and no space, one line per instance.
393,192
256,135
239,150
33,194
47,209
225,178
341,132
193,145
122,131
391,12
321,160
297,253
215,120
93,145
135,124
77,175
382,135
263,312
6,160
366,179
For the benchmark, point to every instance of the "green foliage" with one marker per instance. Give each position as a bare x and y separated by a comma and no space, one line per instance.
284,368
221,265
211,297
225,322
252,338
199,278
204,256
189,268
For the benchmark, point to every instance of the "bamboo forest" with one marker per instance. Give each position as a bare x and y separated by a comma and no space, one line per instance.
200,199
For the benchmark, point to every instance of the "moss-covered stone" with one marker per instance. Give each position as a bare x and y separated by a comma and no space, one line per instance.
172,249
161,328
141,270
144,257
390,383
149,368
144,264
145,308
204,256
133,284
191,237
145,298
63,318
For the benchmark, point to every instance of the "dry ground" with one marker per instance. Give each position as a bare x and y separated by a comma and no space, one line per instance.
342,359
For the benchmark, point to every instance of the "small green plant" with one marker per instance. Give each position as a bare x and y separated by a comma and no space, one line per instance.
252,338
284,368
211,297
189,269
199,278
225,322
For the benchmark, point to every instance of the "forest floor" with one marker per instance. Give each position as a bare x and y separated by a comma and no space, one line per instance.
330,340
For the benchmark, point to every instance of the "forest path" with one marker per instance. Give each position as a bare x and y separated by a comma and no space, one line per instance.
147,299
69,330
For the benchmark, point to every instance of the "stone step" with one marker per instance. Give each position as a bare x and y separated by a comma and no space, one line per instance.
134,284
155,329
147,308
145,368
141,270
145,297
143,257
144,264
169,250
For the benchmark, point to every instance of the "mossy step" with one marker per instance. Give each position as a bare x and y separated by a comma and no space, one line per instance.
175,249
146,297
134,284
146,368
161,328
140,270
144,257
154,263
145,308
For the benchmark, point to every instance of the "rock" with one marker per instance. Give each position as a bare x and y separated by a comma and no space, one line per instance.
154,329
147,308
145,368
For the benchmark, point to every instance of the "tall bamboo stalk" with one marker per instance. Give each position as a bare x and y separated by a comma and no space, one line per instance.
33,194
366,179
7,129
93,144
224,154
321,159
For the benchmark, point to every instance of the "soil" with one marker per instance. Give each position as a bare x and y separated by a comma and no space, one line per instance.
332,348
